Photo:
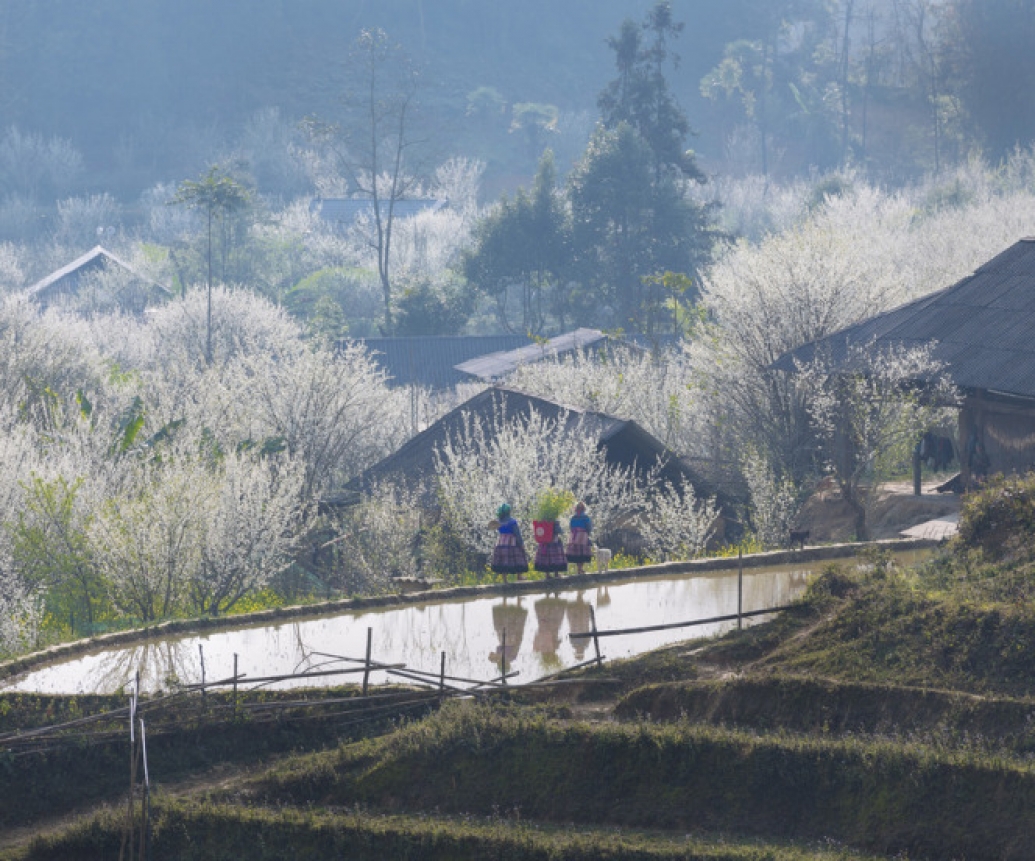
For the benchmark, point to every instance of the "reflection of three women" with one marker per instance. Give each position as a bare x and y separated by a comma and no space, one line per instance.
552,556
550,612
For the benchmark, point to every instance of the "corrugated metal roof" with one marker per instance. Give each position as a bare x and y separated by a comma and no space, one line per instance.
430,360
497,365
982,327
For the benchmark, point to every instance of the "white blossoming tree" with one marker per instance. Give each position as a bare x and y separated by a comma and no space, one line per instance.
773,502
379,538
253,524
870,410
513,459
678,525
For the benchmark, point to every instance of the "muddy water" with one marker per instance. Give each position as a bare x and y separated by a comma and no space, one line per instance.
470,632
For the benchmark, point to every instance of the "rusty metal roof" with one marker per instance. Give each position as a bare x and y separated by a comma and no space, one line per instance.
982,327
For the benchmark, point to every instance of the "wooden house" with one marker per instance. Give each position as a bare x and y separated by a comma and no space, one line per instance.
983,329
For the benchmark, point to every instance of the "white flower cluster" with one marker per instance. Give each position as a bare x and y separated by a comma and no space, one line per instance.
132,471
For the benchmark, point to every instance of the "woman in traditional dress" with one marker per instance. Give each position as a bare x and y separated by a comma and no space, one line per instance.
579,550
508,557
549,555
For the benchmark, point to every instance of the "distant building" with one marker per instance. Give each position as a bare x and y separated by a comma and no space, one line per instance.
496,366
431,361
983,329
137,293
624,443
343,212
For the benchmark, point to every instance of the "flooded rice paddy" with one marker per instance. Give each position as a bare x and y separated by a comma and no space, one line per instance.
469,631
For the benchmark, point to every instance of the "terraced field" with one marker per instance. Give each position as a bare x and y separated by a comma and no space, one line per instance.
888,714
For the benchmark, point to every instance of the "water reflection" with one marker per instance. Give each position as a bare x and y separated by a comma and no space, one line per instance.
508,620
470,633
578,623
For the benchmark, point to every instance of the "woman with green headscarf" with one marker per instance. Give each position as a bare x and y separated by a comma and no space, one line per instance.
508,557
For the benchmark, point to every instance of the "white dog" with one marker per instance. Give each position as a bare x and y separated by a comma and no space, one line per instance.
603,558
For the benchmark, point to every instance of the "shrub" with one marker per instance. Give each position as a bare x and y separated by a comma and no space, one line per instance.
1000,517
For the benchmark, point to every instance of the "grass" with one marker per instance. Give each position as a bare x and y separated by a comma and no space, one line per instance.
774,703
214,831
882,795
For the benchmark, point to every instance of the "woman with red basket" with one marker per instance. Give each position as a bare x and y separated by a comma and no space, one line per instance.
549,554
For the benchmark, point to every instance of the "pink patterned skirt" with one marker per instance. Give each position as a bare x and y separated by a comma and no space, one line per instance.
550,558
579,549
509,557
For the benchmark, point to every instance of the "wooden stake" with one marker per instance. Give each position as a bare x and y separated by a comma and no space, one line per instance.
442,674
593,629
366,671
145,802
235,685
740,588
503,657
201,652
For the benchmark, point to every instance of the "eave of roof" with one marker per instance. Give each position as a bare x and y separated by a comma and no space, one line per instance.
982,328
97,254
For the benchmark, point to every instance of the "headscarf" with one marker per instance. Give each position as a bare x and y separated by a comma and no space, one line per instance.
503,512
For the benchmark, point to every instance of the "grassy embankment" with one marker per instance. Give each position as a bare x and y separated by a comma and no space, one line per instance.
890,712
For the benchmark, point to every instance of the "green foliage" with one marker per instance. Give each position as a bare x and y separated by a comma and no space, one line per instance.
525,243
426,308
551,503
49,546
999,518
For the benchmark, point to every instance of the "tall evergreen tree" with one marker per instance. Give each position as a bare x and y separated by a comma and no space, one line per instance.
632,215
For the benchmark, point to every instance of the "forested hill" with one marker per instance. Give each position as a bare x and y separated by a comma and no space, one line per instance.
145,89
152,91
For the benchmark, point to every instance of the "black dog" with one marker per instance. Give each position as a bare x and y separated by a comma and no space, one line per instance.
799,537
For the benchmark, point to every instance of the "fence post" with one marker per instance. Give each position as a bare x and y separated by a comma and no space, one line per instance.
596,639
201,652
145,802
442,675
740,588
366,671
235,685
503,657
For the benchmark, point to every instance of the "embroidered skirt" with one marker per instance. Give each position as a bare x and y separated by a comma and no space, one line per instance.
550,558
509,557
579,549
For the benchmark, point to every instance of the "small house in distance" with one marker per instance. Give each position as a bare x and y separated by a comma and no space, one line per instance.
983,329
431,361
127,288
624,442
492,367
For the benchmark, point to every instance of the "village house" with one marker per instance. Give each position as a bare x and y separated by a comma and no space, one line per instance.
624,443
134,292
983,330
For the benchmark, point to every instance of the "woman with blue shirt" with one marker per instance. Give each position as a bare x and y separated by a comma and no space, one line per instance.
579,550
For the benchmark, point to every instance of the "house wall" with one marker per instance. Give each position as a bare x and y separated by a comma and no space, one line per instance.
997,434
